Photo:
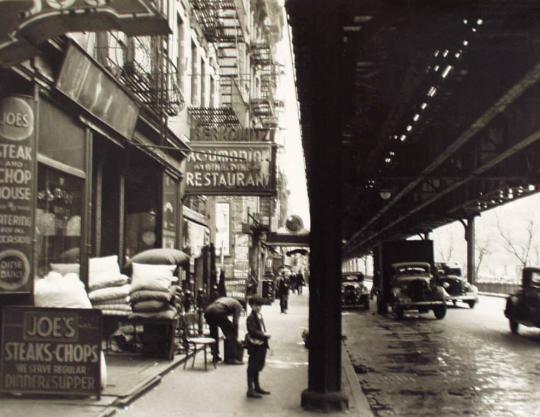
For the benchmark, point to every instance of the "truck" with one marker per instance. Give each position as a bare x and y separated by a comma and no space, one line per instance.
403,278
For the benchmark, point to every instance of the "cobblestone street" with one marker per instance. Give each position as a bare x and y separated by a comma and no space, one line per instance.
467,364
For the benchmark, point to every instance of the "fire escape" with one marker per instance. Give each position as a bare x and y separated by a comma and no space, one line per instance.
264,105
142,64
226,26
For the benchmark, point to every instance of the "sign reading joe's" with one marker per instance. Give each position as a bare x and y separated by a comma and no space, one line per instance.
17,177
51,350
231,168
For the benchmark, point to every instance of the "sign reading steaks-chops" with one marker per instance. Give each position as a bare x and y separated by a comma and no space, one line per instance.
50,350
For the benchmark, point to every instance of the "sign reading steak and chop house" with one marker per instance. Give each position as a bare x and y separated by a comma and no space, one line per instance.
50,350
231,168
17,177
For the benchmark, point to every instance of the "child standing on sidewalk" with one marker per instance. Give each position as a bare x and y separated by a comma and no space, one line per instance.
257,345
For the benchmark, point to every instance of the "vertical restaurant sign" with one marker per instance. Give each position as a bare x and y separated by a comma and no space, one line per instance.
231,168
17,178
50,350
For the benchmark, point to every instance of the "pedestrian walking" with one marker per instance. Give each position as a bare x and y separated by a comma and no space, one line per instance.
216,315
283,292
293,283
257,345
301,282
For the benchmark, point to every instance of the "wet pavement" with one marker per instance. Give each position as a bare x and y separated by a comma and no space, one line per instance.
466,364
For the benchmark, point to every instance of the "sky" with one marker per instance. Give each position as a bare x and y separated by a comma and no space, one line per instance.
512,220
291,156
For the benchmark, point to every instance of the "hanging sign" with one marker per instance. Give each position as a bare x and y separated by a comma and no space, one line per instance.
83,81
24,25
51,351
17,178
231,168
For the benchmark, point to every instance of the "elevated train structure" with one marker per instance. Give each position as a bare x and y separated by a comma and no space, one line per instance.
414,114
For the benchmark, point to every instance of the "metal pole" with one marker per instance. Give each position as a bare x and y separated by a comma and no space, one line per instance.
471,257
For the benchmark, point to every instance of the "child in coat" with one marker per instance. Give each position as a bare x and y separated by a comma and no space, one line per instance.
257,345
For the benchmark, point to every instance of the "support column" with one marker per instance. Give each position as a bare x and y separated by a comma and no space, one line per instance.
470,238
322,144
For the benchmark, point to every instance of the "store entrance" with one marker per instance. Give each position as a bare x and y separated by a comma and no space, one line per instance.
107,197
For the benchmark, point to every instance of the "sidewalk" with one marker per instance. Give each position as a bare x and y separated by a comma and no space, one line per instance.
221,392
166,389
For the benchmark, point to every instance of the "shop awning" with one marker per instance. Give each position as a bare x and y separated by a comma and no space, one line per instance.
289,239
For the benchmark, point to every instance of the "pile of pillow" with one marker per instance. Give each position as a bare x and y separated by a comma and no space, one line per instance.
152,291
65,291
108,288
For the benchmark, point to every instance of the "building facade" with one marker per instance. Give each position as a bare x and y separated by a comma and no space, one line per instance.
117,107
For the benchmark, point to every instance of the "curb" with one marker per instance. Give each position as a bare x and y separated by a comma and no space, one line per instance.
108,412
357,402
141,388
137,391
493,294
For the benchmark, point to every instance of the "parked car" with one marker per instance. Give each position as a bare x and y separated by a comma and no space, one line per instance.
457,288
523,307
354,292
413,288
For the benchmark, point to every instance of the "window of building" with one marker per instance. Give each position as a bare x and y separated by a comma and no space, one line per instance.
60,140
58,218
60,188
182,58
204,102
143,197
213,99
194,76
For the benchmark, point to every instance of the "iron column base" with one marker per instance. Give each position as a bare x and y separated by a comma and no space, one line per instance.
327,401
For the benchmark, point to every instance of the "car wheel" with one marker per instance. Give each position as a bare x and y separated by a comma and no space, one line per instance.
514,326
471,303
439,312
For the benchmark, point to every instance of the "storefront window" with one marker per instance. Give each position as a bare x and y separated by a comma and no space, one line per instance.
143,213
58,218
60,138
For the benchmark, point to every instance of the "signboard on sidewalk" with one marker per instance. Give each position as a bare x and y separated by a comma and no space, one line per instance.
231,168
50,351
17,179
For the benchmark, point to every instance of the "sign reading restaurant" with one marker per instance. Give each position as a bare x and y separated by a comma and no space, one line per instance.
231,168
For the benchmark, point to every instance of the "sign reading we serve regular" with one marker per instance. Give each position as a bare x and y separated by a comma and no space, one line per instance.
17,177
50,350
231,168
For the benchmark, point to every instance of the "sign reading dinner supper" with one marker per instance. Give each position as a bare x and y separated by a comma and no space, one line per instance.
231,168
50,350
